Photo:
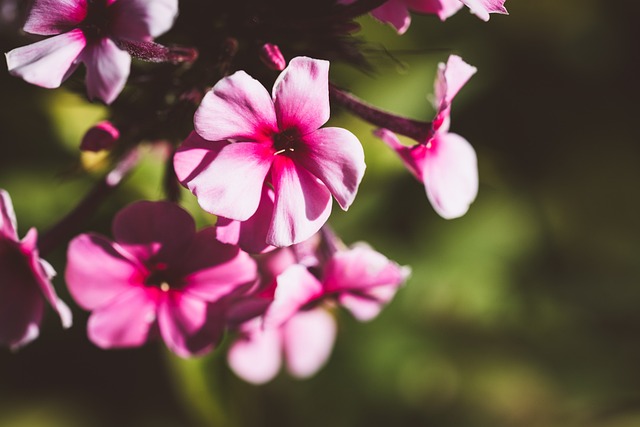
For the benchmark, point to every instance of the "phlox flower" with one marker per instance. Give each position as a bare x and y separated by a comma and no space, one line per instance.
88,31
25,283
249,139
159,274
396,12
445,163
297,326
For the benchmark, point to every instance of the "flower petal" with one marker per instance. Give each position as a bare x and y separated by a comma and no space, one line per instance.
117,273
450,79
230,186
48,62
482,8
412,157
443,8
302,203
8,224
142,19
256,357
308,340
154,231
214,270
194,155
107,69
296,288
124,321
188,325
336,157
395,13
451,175
301,95
50,17
238,108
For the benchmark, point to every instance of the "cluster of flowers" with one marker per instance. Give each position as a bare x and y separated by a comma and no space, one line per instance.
270,270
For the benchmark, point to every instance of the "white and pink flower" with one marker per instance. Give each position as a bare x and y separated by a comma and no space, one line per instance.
158,274
25,283
250,139
88,31
445,163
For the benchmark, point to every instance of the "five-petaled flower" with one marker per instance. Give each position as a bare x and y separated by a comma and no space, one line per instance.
251,138
88,31
445,163
25,282
158,274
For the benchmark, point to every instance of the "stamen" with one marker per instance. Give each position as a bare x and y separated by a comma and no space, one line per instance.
164,287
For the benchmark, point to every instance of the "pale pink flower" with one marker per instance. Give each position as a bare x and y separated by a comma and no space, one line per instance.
88,31
25,283
158,274
396,12
274,140
445,163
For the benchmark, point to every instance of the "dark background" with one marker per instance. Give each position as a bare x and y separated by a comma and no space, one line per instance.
525,312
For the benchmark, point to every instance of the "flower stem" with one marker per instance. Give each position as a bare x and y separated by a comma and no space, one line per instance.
72,222
414,129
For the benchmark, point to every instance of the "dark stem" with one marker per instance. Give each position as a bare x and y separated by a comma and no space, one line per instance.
414,129
74,220
154,52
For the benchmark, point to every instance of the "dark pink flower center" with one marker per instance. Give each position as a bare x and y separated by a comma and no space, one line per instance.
160,276
97,24
286,141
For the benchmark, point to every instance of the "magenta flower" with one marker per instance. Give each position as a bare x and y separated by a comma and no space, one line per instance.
445,163
158,274
25,284
88,31
396,12
273,140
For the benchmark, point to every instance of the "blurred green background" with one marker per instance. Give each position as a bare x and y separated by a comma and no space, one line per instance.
523,313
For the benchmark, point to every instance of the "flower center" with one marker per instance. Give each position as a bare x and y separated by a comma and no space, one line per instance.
159,277
97,23
286,141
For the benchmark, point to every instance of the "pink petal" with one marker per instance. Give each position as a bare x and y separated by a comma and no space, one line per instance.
231,185
361,307
143,19
482,8
451,175
296,288
89,287
8,224
102,136
302,204
154,231
450,79
412,157
250,235
308,340
124,321
443,8
395,13
194,155
335,156
48,62
301,95
50,17
107,69
256,356
188,325
238,108
215,270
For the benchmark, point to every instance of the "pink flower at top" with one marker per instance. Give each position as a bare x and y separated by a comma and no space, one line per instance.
396,12
251,139
88,31
298,325
25,283
158,274
445,163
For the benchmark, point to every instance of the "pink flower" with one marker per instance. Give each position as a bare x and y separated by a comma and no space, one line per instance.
297,323
446,163
88,31
250,139
158,274
26,283
396,12
102,136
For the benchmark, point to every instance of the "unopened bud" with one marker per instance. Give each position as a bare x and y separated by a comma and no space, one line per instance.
272,57
102,136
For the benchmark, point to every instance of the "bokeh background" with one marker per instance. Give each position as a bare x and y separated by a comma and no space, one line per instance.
523,313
